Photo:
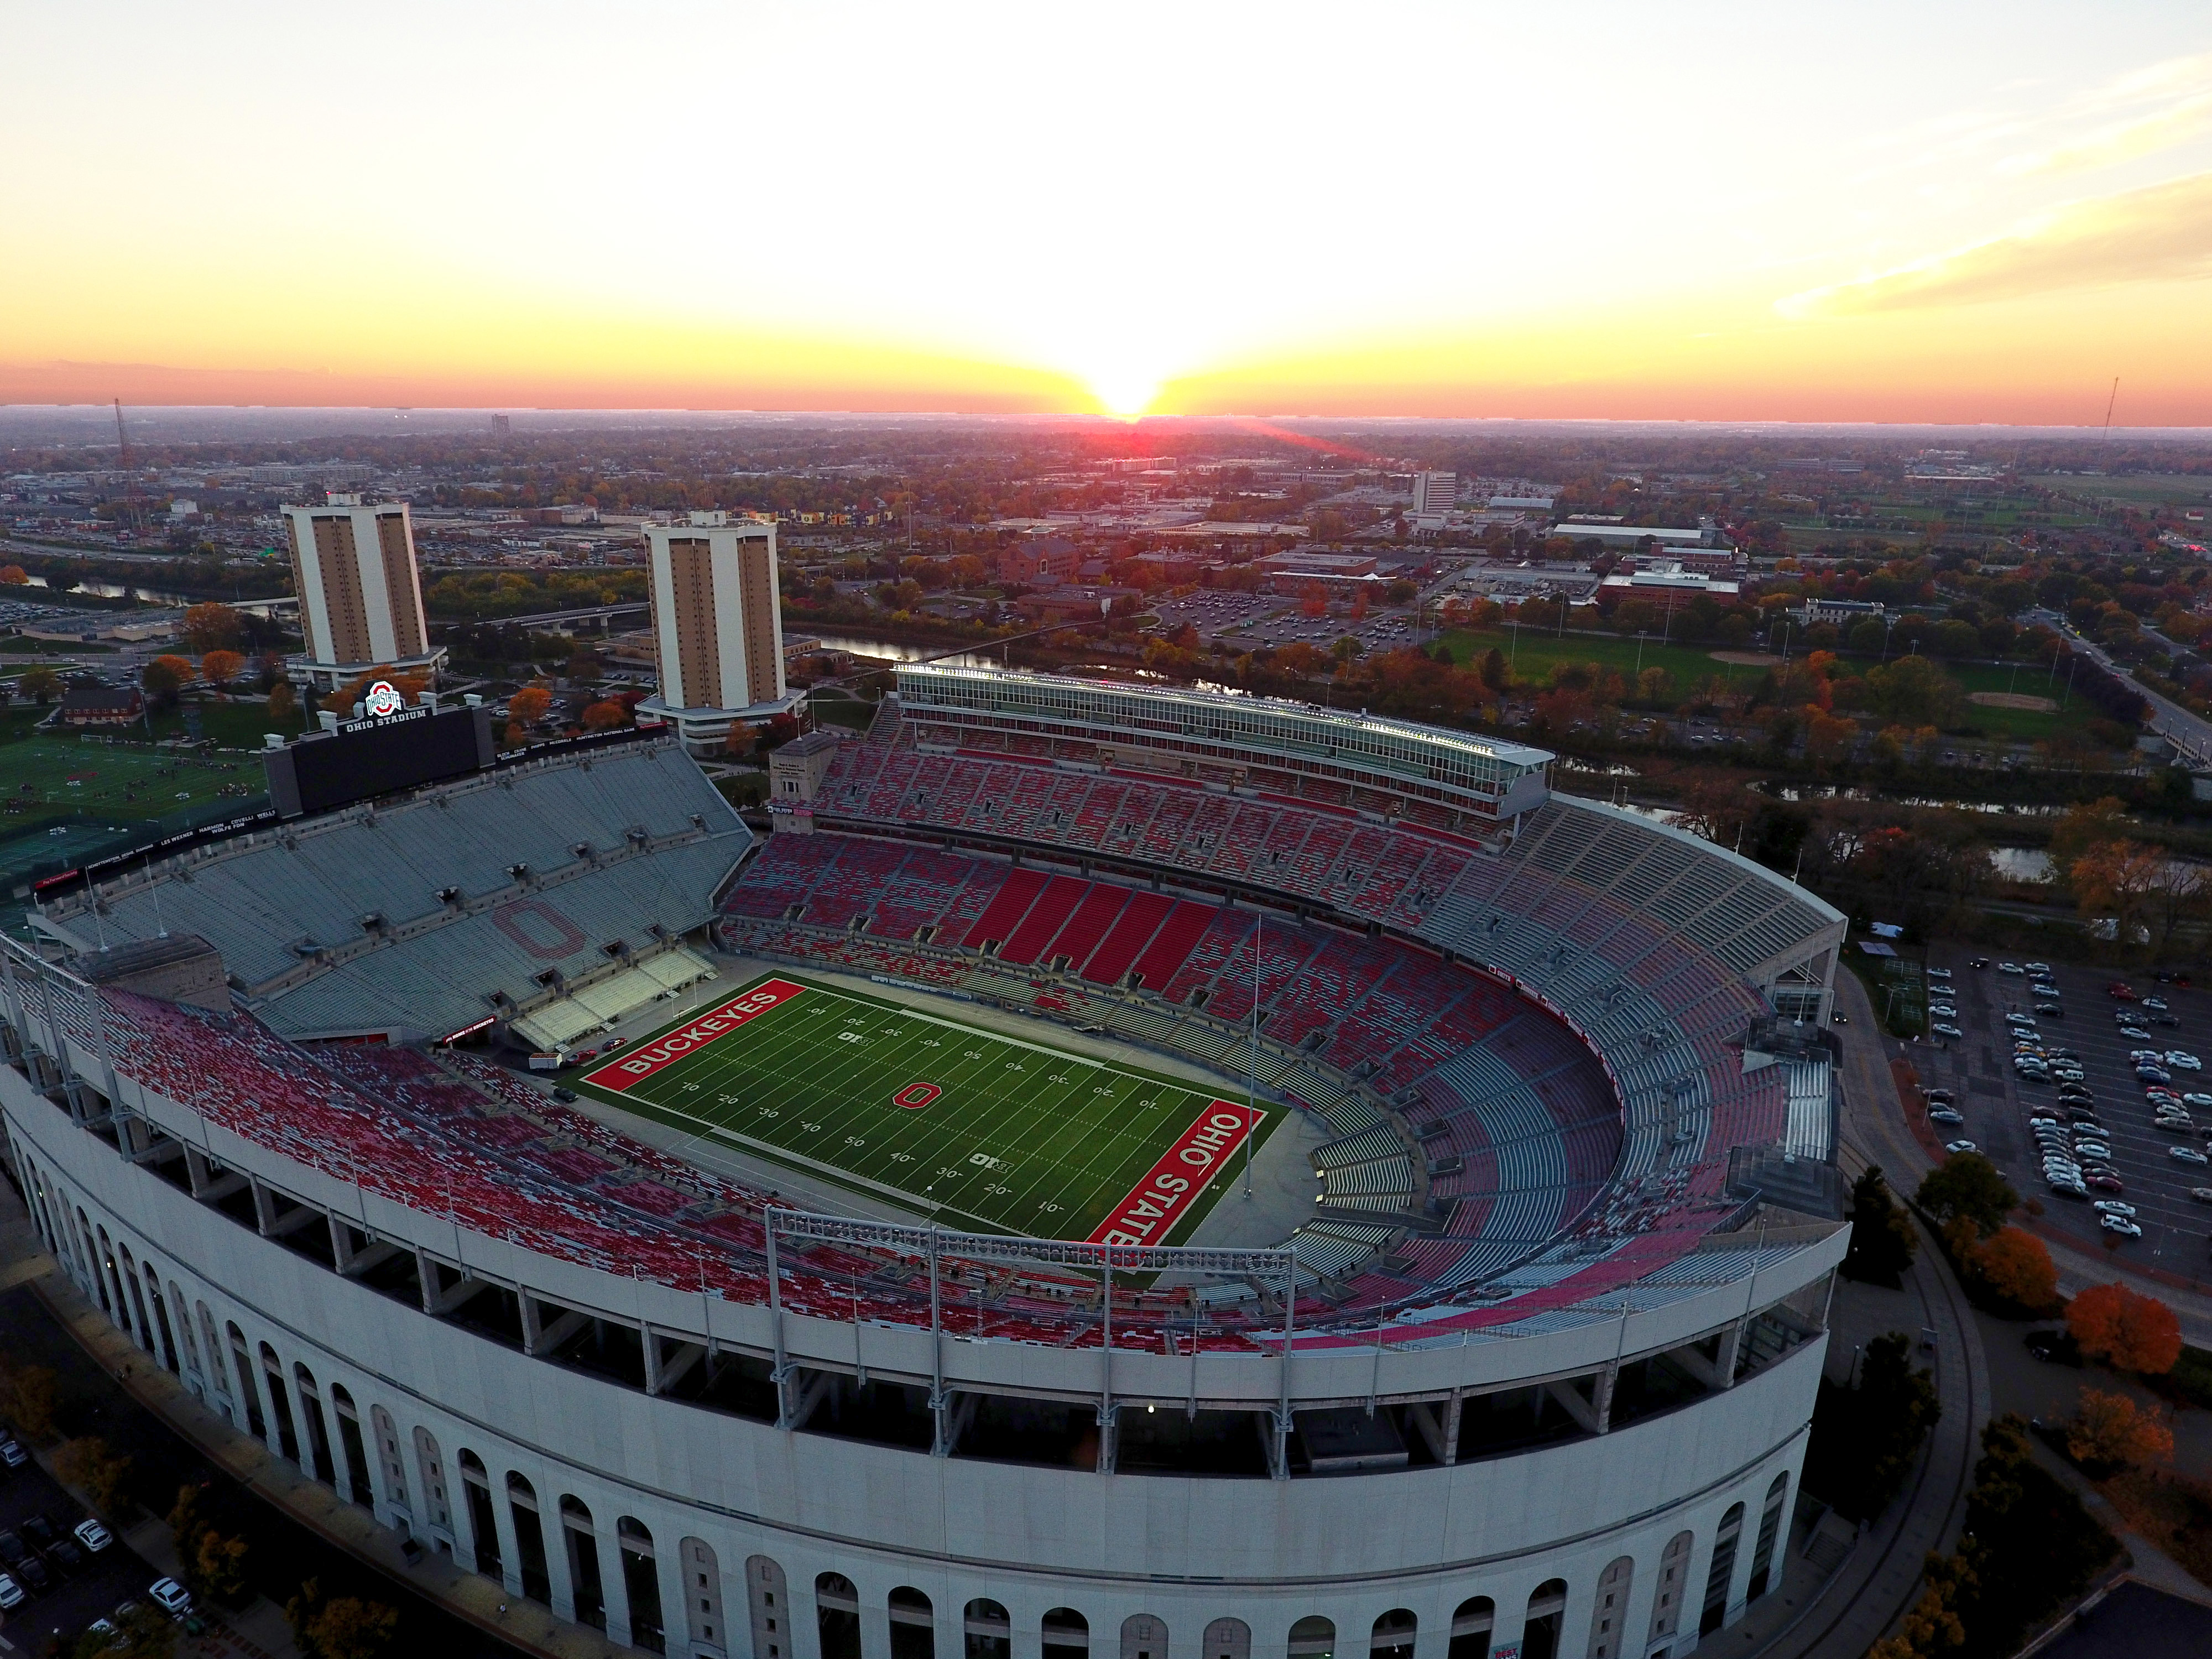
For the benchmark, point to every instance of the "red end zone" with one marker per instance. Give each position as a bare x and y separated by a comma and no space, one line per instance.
693,1035
1145,1216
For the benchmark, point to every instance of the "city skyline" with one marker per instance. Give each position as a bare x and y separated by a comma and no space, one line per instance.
1716,215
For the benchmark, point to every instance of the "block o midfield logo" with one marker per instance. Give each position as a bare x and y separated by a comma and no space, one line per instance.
915,1096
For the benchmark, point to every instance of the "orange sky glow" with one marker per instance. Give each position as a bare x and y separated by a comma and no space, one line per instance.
1705,212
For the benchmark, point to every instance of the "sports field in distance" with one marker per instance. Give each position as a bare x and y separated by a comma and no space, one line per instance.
988,1132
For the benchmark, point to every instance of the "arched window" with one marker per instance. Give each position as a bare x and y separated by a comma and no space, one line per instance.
770,1604
126,1274
1547,1607
394,1466
1667,1595
319,1462
530,1563
700,1573
247,1388
1393,1635
1144,1636
1472,1623
1611,1606
837,1616
96,1263
218,1373
1722,1572
989,1632
475,1492
358,1489
583,1546
192,1341
1230,1639
1763,1576
1066,1634
914,1624
280,1403
641,1575
1313,1637
166,1349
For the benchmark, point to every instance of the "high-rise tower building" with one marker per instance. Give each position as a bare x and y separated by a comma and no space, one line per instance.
717,626
360,596
1435,492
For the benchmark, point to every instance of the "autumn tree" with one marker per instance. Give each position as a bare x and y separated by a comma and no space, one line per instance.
2129,1332
1913,691
1968,1187
528,706
342,1627
2013,1264
40,684
13,575
2110,1429
28,1395
1882,1240
2090,824
88,1462
604,716
220,668
2116,880
210,626
284,701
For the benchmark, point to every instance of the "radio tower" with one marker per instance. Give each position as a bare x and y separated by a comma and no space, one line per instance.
128,508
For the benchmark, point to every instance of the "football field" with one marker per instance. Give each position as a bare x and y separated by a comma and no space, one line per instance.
985,1132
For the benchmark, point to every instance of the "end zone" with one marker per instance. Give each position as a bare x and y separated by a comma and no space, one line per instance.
1159,1201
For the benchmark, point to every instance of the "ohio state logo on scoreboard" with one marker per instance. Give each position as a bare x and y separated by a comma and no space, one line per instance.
383,700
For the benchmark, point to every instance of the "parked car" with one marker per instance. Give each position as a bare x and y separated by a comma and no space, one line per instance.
2187,1155
1961,1146
1945,1115
2103,1182
2202,1194
2009,968
93,1536
1978,962
2156,1003
2185,1060
2120,1224
2121,991
175,1598
11,1593
1941,1010
1943,1029
12,1453
1937,1097
2050,1011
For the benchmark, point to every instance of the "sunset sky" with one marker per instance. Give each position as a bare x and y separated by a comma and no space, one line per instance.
1910,212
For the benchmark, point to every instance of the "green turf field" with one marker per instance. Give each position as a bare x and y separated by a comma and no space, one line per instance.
1016,1137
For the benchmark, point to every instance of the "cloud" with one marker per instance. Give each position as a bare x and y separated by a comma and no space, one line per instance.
2162,232
2123,141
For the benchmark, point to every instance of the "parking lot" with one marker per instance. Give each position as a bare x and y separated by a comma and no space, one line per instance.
1249,620
76,1597
1996,1102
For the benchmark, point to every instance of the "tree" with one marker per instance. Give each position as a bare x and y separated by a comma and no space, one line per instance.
41,684
1932,1626
2109,1428
2132,1333
283,703
1913,691
210,626
1864,1438
1883,1242
2013,1264
211,1564
88,1462
604,716
13,575
1494,673
528,706
2117,879
345,1627
220,668
144,1633
28,1395
1968,1187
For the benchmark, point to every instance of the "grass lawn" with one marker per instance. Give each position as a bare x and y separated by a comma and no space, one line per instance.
1539,650
2021,725
989,1132
50,776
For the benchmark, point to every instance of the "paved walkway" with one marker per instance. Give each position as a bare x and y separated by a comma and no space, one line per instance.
481,1602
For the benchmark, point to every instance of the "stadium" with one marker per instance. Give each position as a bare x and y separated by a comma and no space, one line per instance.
1116,1169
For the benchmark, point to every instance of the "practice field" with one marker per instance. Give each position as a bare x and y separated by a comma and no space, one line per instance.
986,1131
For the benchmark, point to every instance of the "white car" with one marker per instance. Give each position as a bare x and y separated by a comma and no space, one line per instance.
11,1593
176,1600
2007,967
2113,1206
93,1536
2042,968
2185,1061
1945,1115
2120,1224
1943,1029
1961,1146
2187,1155
1939,973
1942,1011
2199,1101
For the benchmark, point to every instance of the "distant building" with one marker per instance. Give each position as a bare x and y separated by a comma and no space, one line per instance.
1039,561
1628,535
101,705
361,594
1435,492
501,427
1069,602
1669,575
1293,569
796,770
1839,611
718,627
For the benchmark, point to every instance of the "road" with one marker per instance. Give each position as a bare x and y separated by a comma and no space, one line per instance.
2190,733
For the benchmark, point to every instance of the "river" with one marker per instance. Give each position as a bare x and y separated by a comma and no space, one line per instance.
164,596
